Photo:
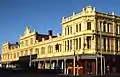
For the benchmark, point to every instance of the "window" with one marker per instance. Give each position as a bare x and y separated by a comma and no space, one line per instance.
89,67
70,44
22,43
14,55
117,27
108,26
31,51
77,28
76,43
37,51
65,46
104,28
108,44
43,50
79,43
65,31
17,54
88,25
116,44
26,42
21,53
60,47
70,30
104,43
49,49
80,27
57,47
26,52
88,42
31,41
8,56
11,55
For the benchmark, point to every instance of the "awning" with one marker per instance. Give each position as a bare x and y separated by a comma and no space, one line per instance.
90,56
5,62
54,58
84,56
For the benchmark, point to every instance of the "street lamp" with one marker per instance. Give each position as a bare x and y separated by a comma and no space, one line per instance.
30,59
101,48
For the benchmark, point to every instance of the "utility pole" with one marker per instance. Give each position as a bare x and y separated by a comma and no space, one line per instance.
74,56
101,48
30,60
116,38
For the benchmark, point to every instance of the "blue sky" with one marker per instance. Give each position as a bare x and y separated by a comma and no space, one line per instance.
42,15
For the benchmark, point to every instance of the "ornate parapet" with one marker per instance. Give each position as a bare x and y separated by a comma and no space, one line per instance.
88,10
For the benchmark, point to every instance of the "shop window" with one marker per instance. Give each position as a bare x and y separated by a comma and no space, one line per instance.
89,68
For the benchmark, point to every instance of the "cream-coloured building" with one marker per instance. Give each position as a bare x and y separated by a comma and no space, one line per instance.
80,37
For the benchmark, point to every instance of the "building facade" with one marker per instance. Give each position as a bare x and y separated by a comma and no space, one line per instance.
77,50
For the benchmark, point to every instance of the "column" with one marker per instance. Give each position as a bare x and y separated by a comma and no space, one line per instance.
56,64
50,64
44,65
96,66
34,63
104,65
64,66
39,65
74,65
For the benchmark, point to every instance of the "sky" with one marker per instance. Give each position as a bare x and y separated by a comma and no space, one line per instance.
43,15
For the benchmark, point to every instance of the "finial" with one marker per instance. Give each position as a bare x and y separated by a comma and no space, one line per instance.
93,8
73,13
113,13
34,30
83,9
63,17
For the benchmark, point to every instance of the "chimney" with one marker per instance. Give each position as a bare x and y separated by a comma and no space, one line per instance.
50,32
17,43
